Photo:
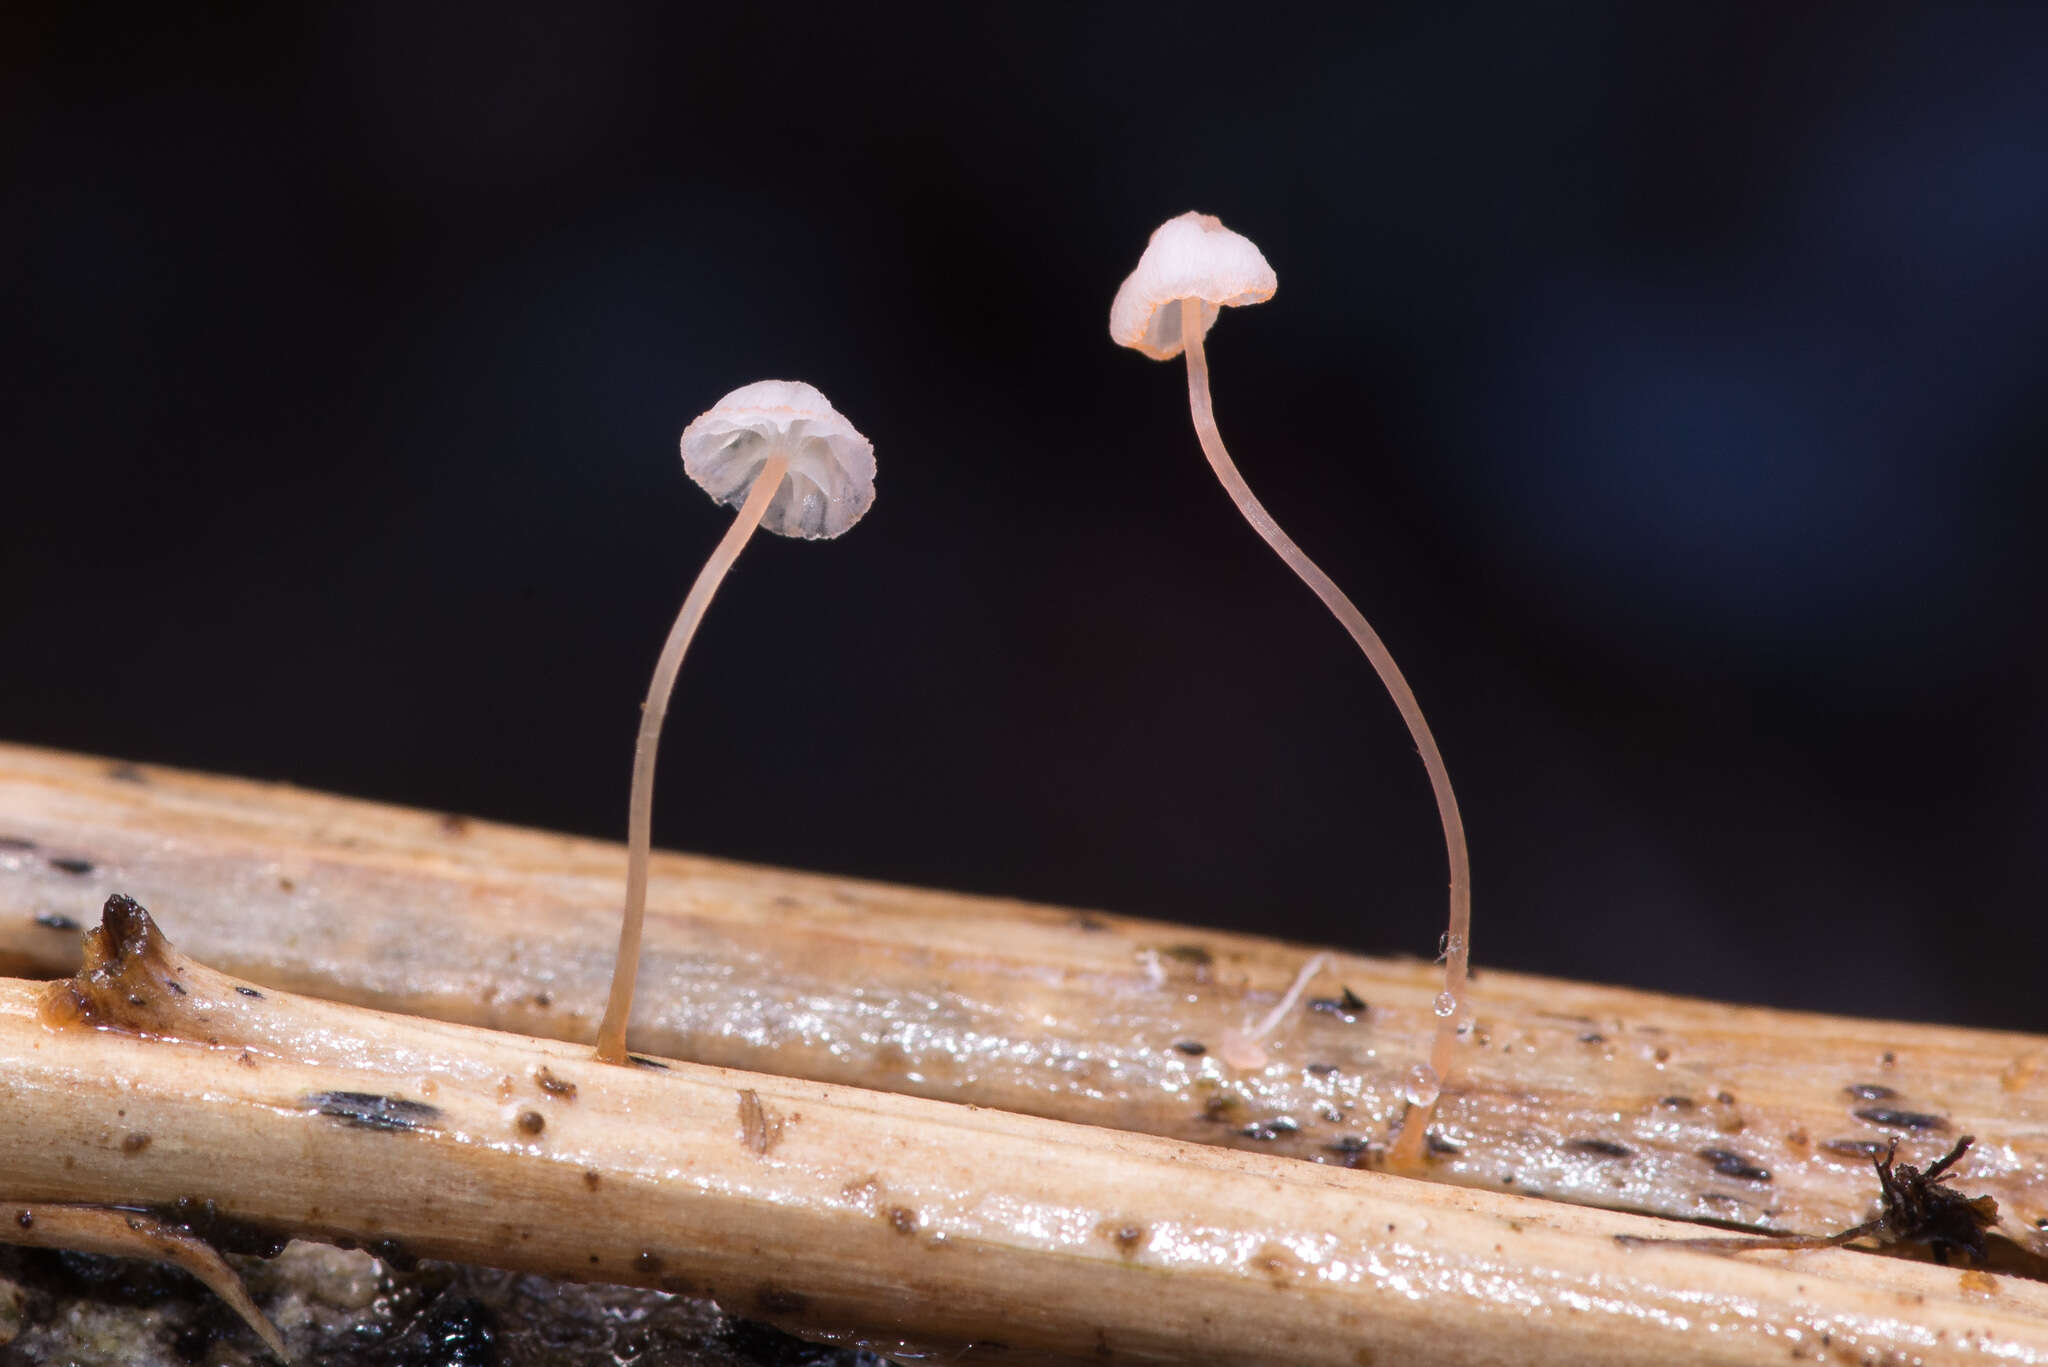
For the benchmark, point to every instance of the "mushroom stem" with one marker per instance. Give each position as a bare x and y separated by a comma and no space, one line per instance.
611,1035
1407,1149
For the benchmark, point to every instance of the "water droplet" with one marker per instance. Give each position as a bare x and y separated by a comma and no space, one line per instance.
1446,1005
1422,1088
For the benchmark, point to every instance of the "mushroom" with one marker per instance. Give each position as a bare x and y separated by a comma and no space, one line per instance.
1192,269
781,454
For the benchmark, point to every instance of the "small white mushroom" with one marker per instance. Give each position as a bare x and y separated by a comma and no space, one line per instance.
1192,269
1193,258
781,454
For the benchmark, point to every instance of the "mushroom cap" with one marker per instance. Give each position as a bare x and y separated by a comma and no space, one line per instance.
1190,257
831,476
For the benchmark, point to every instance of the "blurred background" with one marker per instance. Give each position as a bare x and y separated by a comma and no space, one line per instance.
1667,384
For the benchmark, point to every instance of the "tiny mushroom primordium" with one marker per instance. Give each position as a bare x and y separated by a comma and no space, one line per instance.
782,455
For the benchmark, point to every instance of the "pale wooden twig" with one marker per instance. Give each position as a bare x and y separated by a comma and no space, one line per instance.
151,1078
1580,1093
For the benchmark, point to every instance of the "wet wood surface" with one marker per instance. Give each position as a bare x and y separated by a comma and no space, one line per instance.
900,1222
1585,1094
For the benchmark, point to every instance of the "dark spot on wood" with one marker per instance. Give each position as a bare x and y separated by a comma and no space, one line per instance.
1677,1103
1091,924
50,920
532,1122
26,1219
1270,1129
15,842
248,991
1729,1163
65,864
1321,1069
135,1143
453,825
127,773
1869,1091
246,1059
543,1000
1349,1147
648,1263
369,1111
1280,1266
1193,955
553,1085
1661,1054
1193,1048
1722,1198
647,1062
1128,1238
1725,1098
1603,1148
780,1300
1592,1037
902,1219
1334,1006
177,989
1437,1144
592,1178
1901,1120
1222,1106
1889,1058
286,885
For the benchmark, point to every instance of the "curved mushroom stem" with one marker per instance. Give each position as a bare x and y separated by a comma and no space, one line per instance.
1428,1079
611,1035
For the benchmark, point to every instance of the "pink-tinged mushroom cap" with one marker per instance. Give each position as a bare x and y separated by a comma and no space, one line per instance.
1190,257
831,478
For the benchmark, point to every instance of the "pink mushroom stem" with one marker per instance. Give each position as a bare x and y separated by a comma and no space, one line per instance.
611,1035
1457,940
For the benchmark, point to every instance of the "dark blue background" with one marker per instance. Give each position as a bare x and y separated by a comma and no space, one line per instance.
1668,384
